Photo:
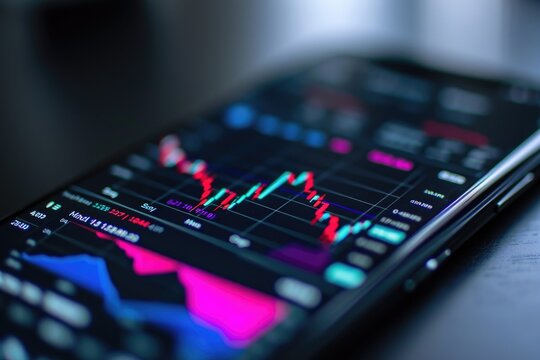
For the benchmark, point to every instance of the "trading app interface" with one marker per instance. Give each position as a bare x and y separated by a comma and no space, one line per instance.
219,239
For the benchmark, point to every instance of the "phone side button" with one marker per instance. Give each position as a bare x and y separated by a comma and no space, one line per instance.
429,267
515,191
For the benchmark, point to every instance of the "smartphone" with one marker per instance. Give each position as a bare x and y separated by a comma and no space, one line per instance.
271,226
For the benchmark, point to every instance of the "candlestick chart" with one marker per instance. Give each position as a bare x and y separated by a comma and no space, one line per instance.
172,155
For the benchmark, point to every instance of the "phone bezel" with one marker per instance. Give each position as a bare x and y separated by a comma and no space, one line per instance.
326,324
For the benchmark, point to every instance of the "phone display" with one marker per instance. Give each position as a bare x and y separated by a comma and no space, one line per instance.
223,238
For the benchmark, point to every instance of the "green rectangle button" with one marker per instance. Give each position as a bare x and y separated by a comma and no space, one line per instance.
386,234
344,275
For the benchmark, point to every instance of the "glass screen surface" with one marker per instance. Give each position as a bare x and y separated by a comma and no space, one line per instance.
219,239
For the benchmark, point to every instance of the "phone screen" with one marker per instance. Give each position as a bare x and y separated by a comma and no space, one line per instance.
221,238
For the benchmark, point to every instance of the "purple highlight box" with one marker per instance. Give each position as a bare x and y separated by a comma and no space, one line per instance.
382,158
340,145
307,258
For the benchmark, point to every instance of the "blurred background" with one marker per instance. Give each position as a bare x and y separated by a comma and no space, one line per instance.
80,80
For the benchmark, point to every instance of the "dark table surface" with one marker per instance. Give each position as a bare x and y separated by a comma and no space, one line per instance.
71,96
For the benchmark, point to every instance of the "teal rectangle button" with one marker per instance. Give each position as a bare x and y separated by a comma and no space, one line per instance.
344,275
387,234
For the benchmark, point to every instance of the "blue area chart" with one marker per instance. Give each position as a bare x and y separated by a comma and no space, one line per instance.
193,341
